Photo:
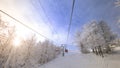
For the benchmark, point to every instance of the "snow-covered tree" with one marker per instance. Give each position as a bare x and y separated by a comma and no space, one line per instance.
48,51
6,39
108,35
31,54
94,34
117,4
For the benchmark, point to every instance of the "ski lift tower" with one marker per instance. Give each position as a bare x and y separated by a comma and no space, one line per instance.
63,49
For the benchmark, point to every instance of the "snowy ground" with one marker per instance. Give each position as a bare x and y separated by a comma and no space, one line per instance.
77,60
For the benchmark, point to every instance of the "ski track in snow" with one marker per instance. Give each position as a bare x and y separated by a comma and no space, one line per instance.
78,60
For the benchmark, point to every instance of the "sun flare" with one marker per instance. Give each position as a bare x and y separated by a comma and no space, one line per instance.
16,42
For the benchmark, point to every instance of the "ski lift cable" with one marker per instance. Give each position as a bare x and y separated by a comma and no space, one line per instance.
24,25
43,19
70,20
50,22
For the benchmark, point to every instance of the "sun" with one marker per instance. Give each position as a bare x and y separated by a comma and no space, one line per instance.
16,42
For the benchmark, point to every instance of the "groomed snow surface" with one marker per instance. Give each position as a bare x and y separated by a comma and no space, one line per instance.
78,60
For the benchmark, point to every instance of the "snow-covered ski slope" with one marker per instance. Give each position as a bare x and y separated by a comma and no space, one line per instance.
78,60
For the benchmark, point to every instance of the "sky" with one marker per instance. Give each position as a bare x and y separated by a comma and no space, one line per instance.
51,17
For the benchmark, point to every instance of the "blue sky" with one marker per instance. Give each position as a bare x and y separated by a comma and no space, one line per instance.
59,11
58,15
84,11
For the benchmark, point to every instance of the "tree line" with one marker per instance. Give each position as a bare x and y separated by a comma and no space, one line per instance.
30,54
